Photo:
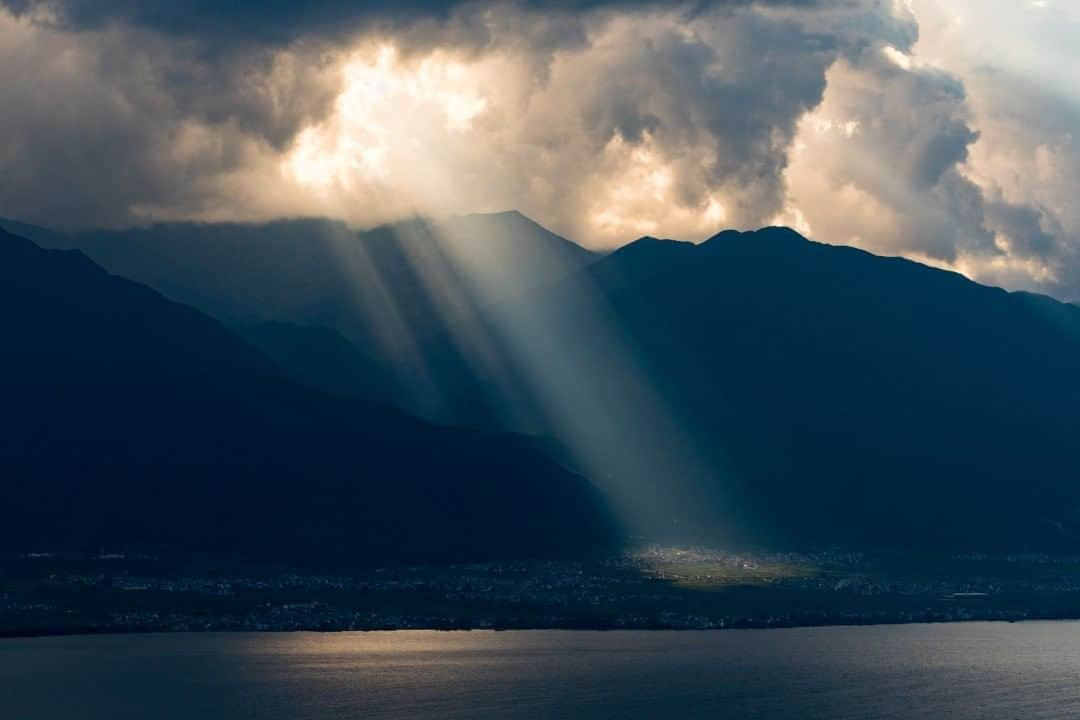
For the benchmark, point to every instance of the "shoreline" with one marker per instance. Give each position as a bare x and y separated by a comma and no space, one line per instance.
42,633
661,589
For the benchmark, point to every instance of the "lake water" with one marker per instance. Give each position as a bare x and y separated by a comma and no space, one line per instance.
979,670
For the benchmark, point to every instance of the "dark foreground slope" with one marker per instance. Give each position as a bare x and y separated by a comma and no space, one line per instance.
829,395
129,420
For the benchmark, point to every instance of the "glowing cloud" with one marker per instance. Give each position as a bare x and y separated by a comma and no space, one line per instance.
936,130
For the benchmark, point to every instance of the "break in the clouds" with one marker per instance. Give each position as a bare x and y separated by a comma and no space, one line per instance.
939,130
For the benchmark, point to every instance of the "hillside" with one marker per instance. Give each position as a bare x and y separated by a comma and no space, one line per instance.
825,394
758,387
133,421
388,290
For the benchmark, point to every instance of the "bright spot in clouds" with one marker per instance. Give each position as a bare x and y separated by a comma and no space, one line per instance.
940,130
389,111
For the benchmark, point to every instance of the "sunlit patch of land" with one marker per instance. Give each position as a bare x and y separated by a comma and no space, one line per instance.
710,570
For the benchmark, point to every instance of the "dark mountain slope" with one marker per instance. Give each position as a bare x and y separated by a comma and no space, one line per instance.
757,386
387,290
836,396
323,359
763,387
129,420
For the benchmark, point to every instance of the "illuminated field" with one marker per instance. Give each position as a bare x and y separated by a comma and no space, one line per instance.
701,570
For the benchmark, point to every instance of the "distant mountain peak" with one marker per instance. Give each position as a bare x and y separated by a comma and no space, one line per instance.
17,247
512,219
503,215
649,243
652,246
771,233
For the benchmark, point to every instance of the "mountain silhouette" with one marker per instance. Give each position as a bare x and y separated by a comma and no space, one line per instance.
323,359
134,421
833,396
757,387
760,387
388,290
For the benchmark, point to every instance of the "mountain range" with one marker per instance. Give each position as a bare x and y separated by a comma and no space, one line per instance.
757,387
387,290
132,421
835,396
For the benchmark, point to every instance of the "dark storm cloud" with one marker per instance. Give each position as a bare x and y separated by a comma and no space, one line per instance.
282,21
721,102
95,125
1023,225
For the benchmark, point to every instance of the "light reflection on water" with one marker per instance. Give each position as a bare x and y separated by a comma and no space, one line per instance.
977,670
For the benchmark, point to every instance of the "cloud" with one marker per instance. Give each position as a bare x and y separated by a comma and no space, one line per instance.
280,22
657,123
957,150
1028,164
880,123
96,124
879,163
572,99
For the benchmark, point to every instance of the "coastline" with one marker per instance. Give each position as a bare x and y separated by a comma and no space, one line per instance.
928,619
655,589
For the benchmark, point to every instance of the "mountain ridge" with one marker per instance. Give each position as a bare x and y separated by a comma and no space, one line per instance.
135,421
760,386
868,376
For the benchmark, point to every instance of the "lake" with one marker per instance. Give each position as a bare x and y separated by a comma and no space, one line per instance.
960,671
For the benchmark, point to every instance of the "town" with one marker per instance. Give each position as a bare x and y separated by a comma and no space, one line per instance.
650,588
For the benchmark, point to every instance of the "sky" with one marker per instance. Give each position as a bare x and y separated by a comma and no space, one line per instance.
947,131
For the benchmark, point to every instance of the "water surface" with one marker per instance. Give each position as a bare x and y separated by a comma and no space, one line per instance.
964,671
